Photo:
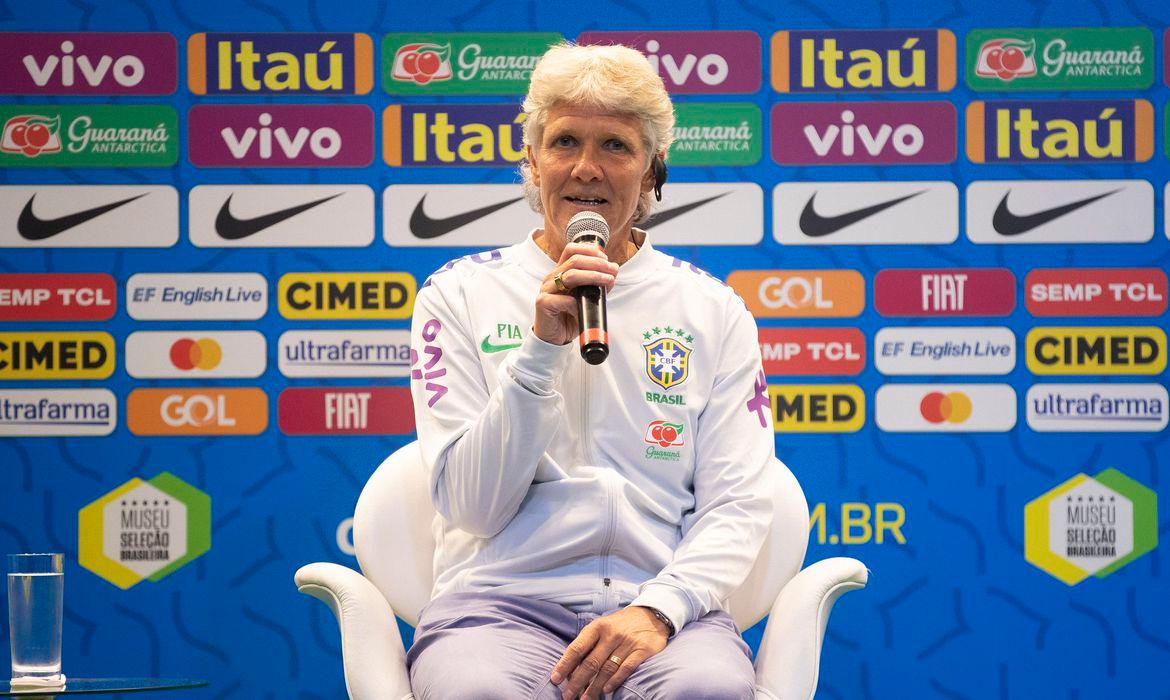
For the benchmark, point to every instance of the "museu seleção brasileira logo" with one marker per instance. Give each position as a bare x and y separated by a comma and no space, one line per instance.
1097,58
1090,526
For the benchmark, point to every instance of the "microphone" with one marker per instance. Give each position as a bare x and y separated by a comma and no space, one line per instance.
590,227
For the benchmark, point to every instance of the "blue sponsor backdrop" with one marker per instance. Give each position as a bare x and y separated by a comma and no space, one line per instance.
955,612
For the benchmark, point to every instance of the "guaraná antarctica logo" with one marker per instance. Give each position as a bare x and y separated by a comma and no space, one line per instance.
144,530
1090,526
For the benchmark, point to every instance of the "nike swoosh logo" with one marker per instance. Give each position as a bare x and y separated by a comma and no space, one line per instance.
665,215
1006,223
423,226
815,225
33,228
489,347
230,228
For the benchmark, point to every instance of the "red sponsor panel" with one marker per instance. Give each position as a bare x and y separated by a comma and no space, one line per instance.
802,351
945,292
1097,291
58,297
346,411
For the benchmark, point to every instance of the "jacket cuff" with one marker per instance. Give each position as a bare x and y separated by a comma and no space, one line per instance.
536,365
667,599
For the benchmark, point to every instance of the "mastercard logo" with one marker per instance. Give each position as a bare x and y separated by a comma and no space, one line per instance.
952,407
204,354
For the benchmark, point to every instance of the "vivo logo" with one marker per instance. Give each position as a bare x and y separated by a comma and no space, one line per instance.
88,63
281,135
712,68
128,71
845,133
695,62
324,142
908,139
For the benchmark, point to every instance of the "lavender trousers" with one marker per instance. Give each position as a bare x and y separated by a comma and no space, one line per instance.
487,646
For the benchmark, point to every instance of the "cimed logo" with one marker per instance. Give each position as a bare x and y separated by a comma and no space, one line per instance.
667,359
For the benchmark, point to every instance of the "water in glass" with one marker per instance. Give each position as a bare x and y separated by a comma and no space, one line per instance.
34,612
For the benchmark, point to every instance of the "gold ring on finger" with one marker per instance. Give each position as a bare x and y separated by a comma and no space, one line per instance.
559,282
616,659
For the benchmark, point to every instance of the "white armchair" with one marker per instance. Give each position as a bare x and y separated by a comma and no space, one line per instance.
392,536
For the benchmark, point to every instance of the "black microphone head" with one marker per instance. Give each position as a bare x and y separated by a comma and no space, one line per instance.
594,353
588,223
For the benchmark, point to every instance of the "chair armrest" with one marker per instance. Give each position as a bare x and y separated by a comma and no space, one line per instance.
788,662
371,647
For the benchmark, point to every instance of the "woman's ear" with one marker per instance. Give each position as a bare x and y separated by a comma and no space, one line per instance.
531,156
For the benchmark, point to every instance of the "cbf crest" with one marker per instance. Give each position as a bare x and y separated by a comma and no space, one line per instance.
668,355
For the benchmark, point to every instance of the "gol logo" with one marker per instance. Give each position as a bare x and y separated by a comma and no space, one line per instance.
664,434
31,134
197,411
187,354
1006,59
422,63
952,407
800,293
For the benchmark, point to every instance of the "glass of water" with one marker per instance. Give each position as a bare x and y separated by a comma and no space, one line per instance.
36,587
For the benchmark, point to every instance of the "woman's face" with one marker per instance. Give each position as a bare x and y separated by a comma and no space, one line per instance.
590,160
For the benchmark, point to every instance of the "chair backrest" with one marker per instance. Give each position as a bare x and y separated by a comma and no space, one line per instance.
395,546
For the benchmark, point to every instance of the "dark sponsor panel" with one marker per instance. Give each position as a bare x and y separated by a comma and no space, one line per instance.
421,135
280,63
1060,131
945,292
88,63
863,133
1102,291
805,351
863,60
345,411
280,136
695,62
57,297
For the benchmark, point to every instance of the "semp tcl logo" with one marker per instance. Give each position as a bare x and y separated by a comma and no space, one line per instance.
202,411
1102,291
800,293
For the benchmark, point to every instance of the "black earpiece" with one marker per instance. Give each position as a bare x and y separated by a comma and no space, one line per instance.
659,176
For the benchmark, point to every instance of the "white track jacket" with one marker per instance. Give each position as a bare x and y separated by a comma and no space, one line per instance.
645,480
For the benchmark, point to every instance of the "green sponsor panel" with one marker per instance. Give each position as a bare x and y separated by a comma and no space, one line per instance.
89,136
1099,58
462,63
1166,131
716,134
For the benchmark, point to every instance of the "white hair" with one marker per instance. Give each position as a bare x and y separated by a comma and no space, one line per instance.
616,79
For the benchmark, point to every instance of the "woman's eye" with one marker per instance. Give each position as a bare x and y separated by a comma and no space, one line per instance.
564,141
617,145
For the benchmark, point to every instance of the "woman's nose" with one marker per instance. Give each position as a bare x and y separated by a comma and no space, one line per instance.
587,167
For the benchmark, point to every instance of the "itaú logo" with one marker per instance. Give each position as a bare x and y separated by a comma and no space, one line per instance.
188,354
951,407
196,410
